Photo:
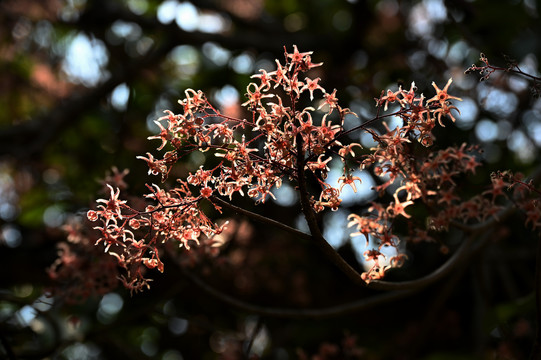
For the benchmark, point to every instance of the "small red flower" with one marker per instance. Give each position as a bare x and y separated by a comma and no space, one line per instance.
311,86
441,95
206,192
92,215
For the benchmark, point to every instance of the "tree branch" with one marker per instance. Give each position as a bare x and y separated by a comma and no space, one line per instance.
310,217
320,313
419,283
458,258
260,218
249,36
31,137
461,256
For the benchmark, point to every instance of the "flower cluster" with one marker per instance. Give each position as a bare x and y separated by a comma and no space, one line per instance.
523,193
81,269
296,128
413,177
134,237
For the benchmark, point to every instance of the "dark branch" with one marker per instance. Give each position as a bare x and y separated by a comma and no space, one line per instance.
261,218
320,313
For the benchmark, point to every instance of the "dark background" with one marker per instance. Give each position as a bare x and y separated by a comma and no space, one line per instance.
81,82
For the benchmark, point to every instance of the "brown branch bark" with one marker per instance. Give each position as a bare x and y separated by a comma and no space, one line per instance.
318,313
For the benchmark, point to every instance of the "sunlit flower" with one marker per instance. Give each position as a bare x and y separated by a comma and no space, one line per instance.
311,86
297,57
349,180
254,96
441,95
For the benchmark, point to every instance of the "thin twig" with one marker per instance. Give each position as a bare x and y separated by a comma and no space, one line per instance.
257,329
261,218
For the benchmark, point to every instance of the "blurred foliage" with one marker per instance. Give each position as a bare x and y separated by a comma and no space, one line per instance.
81,82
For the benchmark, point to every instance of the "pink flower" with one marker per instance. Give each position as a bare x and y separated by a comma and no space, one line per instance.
331,100
265,79
92,215
134,224
255,96
165,135
391,97
155,166
311,86
279,74
349,180
113,205
297,57
441,95
206,192
398,208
